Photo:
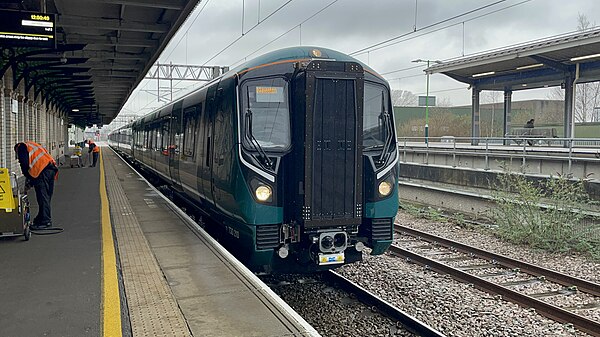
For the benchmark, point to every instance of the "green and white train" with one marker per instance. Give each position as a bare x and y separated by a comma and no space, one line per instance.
292,155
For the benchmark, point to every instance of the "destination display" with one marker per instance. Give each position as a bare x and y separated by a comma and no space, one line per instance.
27,29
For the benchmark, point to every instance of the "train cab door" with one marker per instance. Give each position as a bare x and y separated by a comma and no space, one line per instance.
205,171
223,145
175,143
333,162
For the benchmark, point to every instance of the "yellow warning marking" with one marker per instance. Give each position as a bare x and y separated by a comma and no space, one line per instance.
111,301
7,201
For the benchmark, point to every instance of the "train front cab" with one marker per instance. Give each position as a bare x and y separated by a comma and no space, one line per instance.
328,197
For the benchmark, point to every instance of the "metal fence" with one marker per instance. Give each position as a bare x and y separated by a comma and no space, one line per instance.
524,148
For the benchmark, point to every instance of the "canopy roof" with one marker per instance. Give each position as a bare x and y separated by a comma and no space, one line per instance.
535,64
104,50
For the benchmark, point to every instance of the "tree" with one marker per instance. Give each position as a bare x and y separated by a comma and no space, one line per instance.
587,95
486,122
403,98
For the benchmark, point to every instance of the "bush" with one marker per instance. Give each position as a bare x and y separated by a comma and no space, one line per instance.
545,215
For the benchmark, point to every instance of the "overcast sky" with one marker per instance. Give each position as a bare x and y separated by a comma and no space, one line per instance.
445,29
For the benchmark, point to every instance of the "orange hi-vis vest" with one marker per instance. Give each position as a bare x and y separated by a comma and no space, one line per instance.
39,158
96,148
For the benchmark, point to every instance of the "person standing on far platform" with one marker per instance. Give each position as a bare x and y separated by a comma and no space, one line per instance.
95,151
40,171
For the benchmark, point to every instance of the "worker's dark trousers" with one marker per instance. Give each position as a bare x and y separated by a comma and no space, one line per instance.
44,188
95,156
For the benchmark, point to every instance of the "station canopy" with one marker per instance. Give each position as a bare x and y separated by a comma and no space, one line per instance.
536,64
104,48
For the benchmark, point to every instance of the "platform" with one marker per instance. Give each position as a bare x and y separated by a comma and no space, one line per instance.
169,277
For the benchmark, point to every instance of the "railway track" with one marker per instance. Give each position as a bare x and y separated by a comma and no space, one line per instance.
492,272
335,305
411,323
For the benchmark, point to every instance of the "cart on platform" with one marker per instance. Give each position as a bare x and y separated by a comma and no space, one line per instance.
76,157
14,207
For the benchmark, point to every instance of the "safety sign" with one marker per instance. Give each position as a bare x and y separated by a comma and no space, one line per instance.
7,202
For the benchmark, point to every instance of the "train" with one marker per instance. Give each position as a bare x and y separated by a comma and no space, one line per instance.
292,155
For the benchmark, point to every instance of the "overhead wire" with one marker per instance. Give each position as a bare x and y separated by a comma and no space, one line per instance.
447,26
233,42
286,32
174,48
249,30
361,51
374,47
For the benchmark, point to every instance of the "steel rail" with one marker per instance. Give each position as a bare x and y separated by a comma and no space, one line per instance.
409,322
565,280
558,314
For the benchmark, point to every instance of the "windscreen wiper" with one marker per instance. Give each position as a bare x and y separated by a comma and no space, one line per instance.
385,154
262,155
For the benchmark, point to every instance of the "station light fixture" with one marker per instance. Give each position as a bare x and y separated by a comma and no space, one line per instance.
579,58
537,65
484,74
75,110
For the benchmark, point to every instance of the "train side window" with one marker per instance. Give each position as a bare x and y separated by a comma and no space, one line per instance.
145,142
190,120
165,134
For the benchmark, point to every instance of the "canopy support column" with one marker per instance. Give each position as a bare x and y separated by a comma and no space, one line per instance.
568,116
475,114
507,110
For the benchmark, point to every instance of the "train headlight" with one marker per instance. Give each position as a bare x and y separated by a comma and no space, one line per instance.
339,240
385,188
327,242
263,193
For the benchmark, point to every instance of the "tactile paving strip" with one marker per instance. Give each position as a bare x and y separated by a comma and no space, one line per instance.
153,310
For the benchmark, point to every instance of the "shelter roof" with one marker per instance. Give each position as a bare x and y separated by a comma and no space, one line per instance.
539,63
104,50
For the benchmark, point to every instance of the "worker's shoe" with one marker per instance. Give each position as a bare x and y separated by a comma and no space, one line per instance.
39,226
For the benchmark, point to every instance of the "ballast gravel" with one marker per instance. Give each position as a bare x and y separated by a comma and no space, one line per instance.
458,309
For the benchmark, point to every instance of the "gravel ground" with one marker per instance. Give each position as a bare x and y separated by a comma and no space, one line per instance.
458,309
330,311
574,265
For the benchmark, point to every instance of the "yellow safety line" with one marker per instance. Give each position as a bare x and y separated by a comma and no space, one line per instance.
111,302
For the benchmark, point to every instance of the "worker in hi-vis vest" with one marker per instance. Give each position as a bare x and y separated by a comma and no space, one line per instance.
95,150
40,171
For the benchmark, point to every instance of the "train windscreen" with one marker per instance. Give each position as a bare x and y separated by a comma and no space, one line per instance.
375,130
265,114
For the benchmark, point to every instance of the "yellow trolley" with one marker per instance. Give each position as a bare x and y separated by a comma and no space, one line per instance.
14,207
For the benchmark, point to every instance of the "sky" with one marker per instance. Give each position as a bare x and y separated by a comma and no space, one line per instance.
227,32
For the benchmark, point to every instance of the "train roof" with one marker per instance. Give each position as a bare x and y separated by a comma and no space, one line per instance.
299,53
285,54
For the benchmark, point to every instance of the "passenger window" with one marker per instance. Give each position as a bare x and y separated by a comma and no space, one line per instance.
189,124
165,134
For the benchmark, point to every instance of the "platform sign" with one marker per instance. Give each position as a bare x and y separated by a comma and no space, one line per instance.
7,202
27,29
426,100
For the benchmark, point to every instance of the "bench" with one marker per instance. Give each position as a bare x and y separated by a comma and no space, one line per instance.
518,135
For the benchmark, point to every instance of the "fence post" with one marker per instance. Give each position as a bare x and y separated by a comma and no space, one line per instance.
570,153
524,162
427,152
454,153
487,159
